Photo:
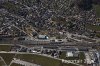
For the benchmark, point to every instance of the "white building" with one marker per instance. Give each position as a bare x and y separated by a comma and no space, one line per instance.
69,54
43,37
72,54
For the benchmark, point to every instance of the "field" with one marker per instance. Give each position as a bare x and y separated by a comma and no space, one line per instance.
7,57
37,59
44,61
1,63
81,57
64,64
94,28
41,60
97,8
5,47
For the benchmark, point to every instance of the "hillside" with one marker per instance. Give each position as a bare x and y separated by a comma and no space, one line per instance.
48,16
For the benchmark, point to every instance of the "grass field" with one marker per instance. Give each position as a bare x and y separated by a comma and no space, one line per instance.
81,57
44,61
93,27
7,57
97,8
16,64
37,59
63,56
41,60
64,64
1,63
5,47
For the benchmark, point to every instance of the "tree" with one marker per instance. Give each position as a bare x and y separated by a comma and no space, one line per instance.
85,4
96,2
